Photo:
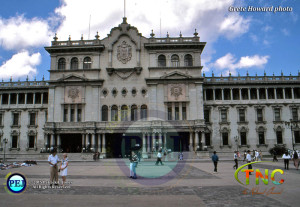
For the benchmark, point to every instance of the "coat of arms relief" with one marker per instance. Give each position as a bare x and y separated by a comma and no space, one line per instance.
124,52
73,94
176,92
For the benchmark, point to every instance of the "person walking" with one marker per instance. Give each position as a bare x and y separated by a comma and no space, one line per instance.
235,158
296,160
53,160
245,155
134,165
275,156
286,158
64,168
256,155
249,159
159,156
215,160
260,155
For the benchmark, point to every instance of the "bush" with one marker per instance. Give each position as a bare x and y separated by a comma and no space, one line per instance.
279,150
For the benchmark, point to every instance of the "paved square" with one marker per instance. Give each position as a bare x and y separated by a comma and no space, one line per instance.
106,183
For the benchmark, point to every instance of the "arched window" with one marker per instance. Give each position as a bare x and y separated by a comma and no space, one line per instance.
124,113
143,112
188,60
87,63
134,115
175,60
104,113
225,136
62,64
261,135
161,61
114,113
74,63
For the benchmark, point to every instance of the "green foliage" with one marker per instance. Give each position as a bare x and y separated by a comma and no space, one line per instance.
279,150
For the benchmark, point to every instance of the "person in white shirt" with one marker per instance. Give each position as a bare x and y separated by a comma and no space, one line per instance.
64,168
53,160
256,155
235,158
286,158
249,159
159,156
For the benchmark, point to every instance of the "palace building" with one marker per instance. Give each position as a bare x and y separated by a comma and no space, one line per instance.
110,94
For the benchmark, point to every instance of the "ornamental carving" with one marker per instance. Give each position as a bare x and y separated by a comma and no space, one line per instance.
176,91
124,52
73,93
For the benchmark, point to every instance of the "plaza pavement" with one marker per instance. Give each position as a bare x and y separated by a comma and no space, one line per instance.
106,183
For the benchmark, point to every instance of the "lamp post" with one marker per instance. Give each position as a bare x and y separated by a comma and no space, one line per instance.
236,139
5,142
291,125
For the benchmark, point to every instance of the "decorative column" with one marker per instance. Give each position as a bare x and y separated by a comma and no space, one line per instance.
191,141
52,140
87,141
240,93
93,141
231,98
159,140
153,141
144,143
99,143
292,93
196,140
58,142
222,90
173,111
103,144
202,140
46,144
165,140
42,98
267,96
25,98
148,143
180,111
17,101
83,143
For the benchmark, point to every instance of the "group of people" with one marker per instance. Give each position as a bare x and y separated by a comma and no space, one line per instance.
294,155
54,160
256,155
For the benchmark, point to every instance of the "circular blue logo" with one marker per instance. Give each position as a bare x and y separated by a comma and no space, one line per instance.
16,183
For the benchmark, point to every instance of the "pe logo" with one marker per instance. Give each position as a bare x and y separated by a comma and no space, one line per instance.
16,183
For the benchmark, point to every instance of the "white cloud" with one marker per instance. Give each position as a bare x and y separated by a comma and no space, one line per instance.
231,63
234,26
253,37
267,28
20,65
285,32
19,33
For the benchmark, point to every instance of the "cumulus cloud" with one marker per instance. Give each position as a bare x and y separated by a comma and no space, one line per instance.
234,26
20,65
230,62
19,33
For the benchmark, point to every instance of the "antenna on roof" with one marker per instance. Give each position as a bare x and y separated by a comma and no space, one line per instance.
124,8
90,27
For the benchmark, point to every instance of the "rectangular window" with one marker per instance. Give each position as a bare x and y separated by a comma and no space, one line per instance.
66,110
243,138
13,98
209,94
46,116
279,137
31,142
297,136
21,98
242,115
261,137
296,93
279,93
277,114
38,98
245,95
29,98
169,111
288,93
207,139
79,113
183,111
227,95
259,115
223,115
236,94
206,116
295,114
32,119
45,98
176,111
218,94
271,93
4,99
262,93
72,115
225,138
14,143
16,119
253,93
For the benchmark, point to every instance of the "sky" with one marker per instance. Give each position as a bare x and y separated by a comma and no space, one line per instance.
237,41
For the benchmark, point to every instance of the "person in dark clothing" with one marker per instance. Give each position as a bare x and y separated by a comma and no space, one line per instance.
235,158
274,156
215,160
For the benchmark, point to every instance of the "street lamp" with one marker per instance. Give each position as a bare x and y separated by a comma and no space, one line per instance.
290,125
236,139
5,140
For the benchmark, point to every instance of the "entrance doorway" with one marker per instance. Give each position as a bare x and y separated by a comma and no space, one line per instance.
179,141
71,143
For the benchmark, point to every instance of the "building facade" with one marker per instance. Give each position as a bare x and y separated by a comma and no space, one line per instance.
110,94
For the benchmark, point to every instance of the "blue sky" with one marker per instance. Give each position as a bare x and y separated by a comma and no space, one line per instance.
237,42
